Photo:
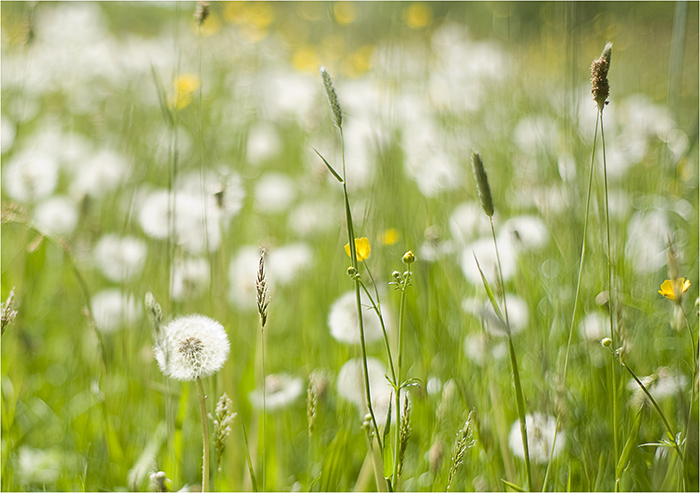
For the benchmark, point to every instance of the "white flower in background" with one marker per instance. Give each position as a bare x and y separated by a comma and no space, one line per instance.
263,143
646,240
518,313
664,383
540,437
435,173
102,173
242,273
311,218
468,222
274,192
120,259
57,215
280,391
191,347
113,309
351,386
344,322
536,133
190,278
37,466
223,189
195,225
524,233
286,262
30,176
486,255
477,347
594,327
7,134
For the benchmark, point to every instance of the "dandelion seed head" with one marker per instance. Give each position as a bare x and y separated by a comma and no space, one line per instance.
540,436
274,192
30,176
57,215
113,309
190,278
344,323
192,346
486,255
120,259
281,390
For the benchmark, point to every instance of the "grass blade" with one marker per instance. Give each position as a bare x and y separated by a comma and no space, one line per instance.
330,168
515,487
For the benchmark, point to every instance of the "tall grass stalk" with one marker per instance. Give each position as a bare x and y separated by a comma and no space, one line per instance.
263,300
336,113
482,185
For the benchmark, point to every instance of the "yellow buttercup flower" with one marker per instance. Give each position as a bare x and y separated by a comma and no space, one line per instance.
185,87
673,289
390,236
362,249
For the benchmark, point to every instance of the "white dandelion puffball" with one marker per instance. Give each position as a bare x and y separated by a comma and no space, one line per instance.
540,436
191,347
518,314
484,251
190,278
468,221
287,261
57,215
594,327
344,322
351,387
242,273
113,309
525,232
280,391
100,174
30,176
274,192
120,259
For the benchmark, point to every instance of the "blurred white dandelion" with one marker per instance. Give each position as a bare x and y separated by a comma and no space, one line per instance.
524,232
281,390
468,222
274,192
190,278
57,215
286,262
664,383
120,258
518,314
351,386
113,309
30,176
38,466
191,347
594,326
646,240
484,251
540,437
345,323
100,174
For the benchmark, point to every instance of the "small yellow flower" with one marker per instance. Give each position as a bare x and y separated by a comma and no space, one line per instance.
390,236
674,289
185,87
362,249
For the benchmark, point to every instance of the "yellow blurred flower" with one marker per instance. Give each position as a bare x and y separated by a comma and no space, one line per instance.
390,236
344,12
673,289
359,62
185,87
305,59
210,26
257,14
417,15
362,249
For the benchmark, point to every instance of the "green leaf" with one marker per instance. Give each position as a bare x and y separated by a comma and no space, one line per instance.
167,115
511,485
629,445
489,292
388,465
330,168
250,462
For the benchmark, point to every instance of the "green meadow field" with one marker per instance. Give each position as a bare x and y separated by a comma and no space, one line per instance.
480,267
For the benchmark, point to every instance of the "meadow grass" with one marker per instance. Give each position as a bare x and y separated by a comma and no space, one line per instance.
156,148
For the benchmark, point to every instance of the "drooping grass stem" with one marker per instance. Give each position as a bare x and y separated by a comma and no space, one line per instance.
205,435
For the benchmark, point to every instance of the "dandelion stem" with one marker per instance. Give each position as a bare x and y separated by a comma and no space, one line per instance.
205,435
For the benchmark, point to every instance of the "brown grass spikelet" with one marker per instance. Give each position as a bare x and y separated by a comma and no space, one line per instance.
8,314
600,88
201,12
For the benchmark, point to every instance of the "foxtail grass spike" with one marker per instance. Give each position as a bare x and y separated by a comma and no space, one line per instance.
332,98
8,314
482,184
599,77
262,296
464,442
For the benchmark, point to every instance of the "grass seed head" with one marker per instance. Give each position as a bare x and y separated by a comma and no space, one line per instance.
600,88
482,184
332,98
8,314
201,12
262,295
